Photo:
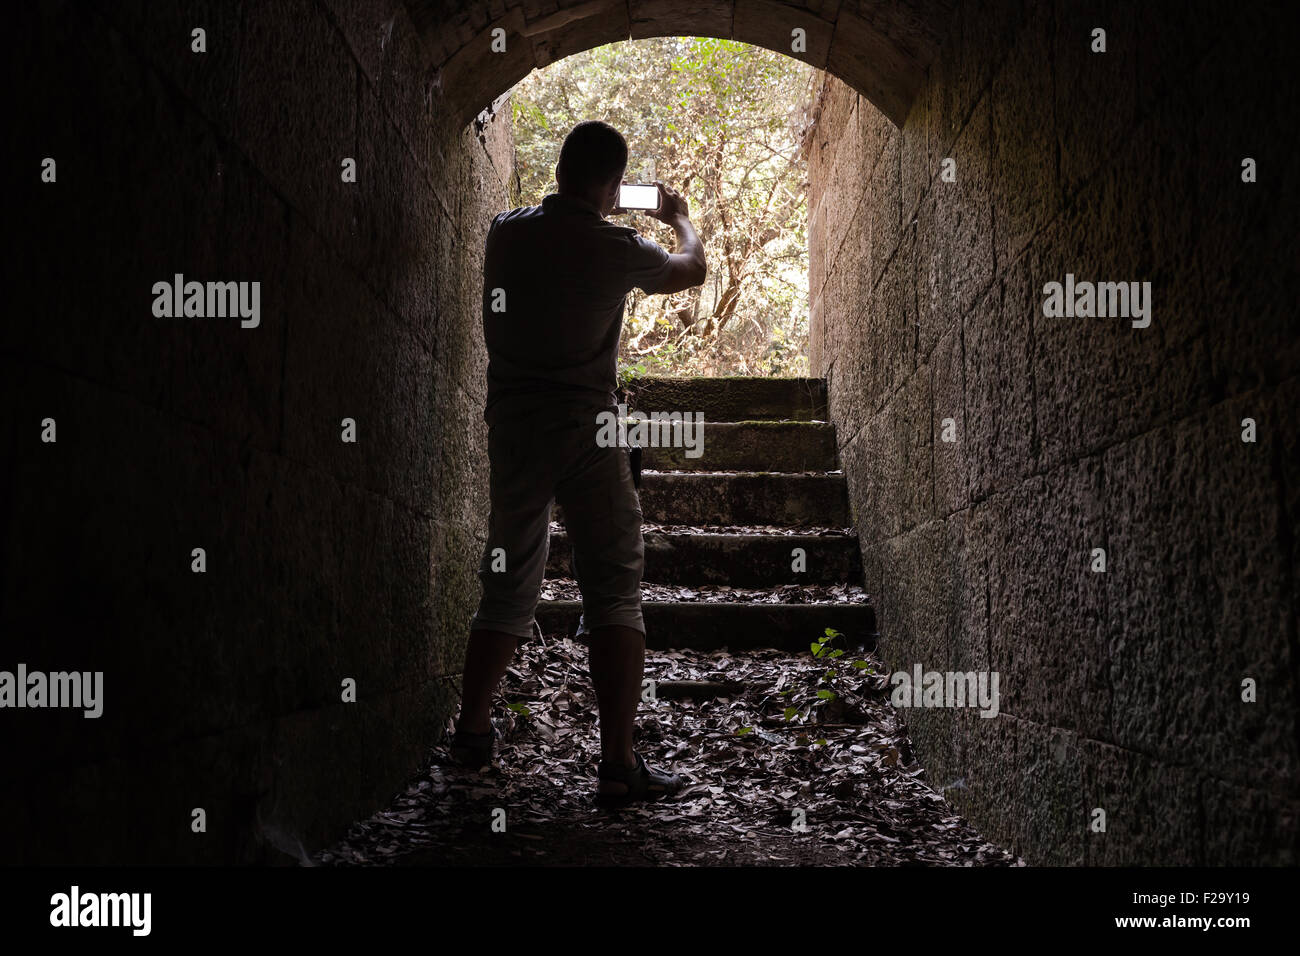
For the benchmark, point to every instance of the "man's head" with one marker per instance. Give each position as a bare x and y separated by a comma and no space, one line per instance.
592,162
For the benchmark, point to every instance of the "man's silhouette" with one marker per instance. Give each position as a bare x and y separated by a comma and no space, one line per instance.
555,283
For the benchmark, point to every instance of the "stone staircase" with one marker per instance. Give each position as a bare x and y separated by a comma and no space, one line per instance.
726,524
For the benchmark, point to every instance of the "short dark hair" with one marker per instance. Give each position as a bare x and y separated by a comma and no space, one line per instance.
593,153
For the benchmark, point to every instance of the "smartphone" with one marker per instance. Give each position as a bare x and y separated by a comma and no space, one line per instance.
643,196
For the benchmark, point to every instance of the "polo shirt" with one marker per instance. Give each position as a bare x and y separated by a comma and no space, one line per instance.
555,283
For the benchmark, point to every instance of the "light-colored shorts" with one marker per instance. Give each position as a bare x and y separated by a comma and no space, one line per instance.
552,456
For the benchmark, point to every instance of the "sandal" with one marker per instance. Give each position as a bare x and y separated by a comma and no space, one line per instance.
642,783
473,750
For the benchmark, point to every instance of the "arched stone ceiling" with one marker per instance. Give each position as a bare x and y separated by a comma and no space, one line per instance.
882,48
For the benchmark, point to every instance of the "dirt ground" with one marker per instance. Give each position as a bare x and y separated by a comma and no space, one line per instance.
789,760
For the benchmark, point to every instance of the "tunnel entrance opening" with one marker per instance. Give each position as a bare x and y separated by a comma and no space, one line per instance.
725,124
483,50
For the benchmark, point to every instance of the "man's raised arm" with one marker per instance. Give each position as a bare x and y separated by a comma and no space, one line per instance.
686,266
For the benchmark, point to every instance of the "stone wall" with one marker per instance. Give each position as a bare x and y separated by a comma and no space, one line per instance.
325,560
1120,690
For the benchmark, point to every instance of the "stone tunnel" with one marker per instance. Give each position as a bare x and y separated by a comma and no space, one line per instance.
965,156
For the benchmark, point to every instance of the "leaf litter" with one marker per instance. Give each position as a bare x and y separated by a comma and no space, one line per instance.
686,530
813,733
566,589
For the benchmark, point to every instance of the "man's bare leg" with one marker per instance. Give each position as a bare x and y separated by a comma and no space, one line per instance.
617,668
486,658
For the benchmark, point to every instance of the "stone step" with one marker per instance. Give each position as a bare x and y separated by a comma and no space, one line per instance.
748,446
745,498
700,626
738,560
735,399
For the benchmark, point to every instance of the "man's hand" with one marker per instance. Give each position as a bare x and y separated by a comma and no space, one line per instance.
672,205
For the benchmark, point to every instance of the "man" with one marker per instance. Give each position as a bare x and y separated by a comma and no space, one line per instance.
555,283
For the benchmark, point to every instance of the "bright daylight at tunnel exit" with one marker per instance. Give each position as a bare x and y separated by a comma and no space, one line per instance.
850,434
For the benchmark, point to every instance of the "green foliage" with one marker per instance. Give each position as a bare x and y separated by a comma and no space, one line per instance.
722,122
814,698
628,373
819,648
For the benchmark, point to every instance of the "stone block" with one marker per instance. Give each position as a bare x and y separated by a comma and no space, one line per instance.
963,232
606,24
1126,227
418,644
1198,594
745,499
414,289
846,357
846,185
1152,811
1285,447
474,75
291,637
1048,630
456,596
407,85
1095,92
459,444
660,18
883,472
921,605
951,473
883,199
335,366
891,324
1177,34
317,795
913,433
769,24
817,264
367,29
982,35
297,132
914,155
874,63
1000,427
164,33
111,513
973,566
1243,230
818,363
1026,189
100,246
874,131
1022,786
1248,827
222,374
137,809
822,136
396,222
